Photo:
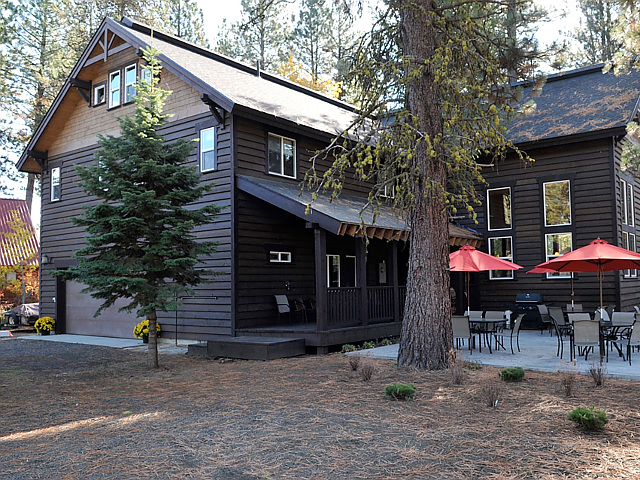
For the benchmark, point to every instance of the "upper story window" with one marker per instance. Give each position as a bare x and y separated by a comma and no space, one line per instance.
629,242
208,149
99,93
114,89
501,247
627,203
130,78
558,244
281,156
499,208
557,203
55,184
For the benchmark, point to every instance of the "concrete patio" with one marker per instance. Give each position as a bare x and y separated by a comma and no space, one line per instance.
537,352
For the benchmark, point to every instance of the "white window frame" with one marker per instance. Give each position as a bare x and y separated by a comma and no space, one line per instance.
329,270
295,156
559,275
113,90
544,204
56,184
628,217
626,243
102,86
129,98
509,258
212,149
489,190
279,256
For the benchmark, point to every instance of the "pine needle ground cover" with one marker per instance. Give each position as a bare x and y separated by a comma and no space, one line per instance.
75,411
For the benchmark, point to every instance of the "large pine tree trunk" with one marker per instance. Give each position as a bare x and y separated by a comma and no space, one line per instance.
426,339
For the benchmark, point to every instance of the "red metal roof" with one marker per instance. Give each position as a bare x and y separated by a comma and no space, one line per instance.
10,256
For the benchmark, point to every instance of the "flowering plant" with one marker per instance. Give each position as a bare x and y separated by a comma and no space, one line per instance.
45,324
142,329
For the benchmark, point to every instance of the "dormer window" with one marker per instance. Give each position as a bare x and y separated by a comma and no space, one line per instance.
99,94
130,78
114,89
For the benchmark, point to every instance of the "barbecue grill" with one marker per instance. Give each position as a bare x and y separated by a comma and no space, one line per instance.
527,304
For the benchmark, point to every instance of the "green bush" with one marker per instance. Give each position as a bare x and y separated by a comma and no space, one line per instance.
400,391
384,342
367,345
347,347
514,374
589,418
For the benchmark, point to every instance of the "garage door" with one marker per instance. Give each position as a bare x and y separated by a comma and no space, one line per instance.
81,307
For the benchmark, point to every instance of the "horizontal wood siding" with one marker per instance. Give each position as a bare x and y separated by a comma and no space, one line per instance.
208,311
588,166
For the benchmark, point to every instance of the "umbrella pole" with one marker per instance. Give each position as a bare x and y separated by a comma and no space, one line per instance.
600,278
468,296
572,292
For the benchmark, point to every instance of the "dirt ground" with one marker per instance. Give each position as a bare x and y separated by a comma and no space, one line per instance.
84,412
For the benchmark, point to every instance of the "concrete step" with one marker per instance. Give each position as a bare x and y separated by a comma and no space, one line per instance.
254,348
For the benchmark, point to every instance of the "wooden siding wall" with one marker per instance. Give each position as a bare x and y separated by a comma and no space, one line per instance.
629,287
208,311
589,167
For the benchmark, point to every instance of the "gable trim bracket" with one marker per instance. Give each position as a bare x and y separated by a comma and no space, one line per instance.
40,158
215,109
84,89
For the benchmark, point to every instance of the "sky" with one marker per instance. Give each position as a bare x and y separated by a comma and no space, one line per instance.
215,11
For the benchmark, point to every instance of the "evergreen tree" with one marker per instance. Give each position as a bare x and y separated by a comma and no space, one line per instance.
433,78
595,34
311,39
181,18
141,244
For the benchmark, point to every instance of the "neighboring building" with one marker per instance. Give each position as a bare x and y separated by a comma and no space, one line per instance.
257,133
17,259
574,192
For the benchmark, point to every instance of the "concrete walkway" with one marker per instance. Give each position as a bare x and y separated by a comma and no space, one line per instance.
165,345
538,352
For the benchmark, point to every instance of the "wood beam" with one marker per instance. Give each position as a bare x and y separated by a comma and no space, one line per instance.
214,108
392,260
320,238
84,89
361,272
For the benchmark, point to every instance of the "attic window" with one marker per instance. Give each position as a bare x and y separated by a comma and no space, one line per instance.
99,94
130,83
114,89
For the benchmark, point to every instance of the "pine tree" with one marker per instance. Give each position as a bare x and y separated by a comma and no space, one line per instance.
141,244
311,39
595,34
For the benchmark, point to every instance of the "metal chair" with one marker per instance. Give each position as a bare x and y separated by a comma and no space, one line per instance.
633,340
561,327
576,307
284,307
514,332
544,316
461,331
586,334
577,317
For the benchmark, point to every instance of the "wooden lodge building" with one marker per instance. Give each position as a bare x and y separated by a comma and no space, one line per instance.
575,191
256,134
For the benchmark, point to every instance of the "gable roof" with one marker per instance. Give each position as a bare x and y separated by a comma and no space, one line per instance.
10,257
232,86
577,103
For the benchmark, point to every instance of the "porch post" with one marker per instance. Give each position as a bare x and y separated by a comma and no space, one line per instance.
392,255
320,237
361,269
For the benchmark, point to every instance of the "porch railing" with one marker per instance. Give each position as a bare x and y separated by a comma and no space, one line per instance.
344,305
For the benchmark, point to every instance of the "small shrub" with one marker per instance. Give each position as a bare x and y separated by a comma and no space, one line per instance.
568,380
366,370
347,347
400,391
367,345
354,362
45,324
384,342
514,374
589,418
491,394
598,372
473,365
457,370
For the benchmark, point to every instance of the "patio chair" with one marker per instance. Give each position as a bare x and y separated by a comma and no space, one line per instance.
636,308
561,327
632,340
586,335
577,317
544,316
514,332
284,307
601,315
461,331
576,307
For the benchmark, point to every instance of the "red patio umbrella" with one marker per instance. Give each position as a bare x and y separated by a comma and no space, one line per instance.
468,259
599,256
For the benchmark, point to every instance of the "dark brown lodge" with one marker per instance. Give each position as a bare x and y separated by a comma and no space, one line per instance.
256,134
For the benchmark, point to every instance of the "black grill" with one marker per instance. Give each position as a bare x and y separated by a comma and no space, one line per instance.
527,304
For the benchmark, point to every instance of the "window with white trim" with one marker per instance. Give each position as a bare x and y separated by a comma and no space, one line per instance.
629,242
558,244
208,149
130,79
557,203
499,208
99,94
55,184
627,203
281,156
500,247
114,89
333,271
279,257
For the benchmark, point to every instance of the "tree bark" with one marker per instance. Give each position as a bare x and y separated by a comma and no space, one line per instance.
426,340
152,357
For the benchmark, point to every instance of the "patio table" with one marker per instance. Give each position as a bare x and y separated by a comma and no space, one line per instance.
486,326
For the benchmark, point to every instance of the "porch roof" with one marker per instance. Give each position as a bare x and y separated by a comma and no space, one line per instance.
343,215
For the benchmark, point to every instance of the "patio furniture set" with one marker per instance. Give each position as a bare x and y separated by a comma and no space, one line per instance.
488,326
